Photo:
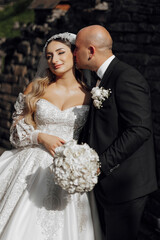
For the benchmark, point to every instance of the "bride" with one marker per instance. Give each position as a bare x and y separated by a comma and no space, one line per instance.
51,111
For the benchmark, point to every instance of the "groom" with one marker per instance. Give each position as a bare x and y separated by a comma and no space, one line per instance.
121,133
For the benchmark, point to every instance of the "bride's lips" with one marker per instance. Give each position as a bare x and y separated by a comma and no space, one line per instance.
58,66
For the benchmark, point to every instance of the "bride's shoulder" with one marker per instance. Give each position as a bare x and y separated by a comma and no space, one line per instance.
28,88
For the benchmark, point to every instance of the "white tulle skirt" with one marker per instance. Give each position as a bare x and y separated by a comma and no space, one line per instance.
33,207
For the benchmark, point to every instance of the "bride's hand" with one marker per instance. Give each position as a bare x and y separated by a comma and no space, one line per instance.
50,142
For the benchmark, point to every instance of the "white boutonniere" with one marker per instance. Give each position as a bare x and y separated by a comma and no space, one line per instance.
99,95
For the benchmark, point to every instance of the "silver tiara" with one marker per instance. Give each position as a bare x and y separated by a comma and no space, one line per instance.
71,37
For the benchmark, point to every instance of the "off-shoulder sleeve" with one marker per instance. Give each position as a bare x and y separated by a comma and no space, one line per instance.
21,133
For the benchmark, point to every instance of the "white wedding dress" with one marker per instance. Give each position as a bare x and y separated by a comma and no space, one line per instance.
32,207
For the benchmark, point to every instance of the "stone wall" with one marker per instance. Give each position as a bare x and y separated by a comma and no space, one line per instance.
135,28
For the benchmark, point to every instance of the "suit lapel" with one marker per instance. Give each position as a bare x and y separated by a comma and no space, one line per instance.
108,71
91,119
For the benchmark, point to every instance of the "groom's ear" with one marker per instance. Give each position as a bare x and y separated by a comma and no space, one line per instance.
91,51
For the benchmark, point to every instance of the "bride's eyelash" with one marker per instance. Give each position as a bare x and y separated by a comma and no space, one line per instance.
48,56
61,52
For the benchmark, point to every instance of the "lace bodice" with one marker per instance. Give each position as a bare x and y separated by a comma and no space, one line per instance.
65,124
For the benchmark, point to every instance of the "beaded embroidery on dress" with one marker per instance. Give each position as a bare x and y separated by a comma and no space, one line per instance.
32,207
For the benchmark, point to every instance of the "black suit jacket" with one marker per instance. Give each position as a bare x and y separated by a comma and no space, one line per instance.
121,133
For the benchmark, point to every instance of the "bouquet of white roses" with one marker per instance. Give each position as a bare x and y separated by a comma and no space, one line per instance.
75,167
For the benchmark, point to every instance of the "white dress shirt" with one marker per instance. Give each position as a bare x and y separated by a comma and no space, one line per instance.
101,70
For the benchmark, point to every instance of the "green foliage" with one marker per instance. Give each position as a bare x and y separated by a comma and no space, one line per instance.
17,12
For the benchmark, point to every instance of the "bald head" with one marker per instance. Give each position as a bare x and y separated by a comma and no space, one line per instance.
93,47
96,35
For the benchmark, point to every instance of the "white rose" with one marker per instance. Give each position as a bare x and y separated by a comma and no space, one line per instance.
96,91
97,104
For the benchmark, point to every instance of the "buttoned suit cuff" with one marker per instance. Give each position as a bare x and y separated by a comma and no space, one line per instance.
106,167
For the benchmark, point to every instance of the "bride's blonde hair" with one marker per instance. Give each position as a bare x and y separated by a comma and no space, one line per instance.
38,88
